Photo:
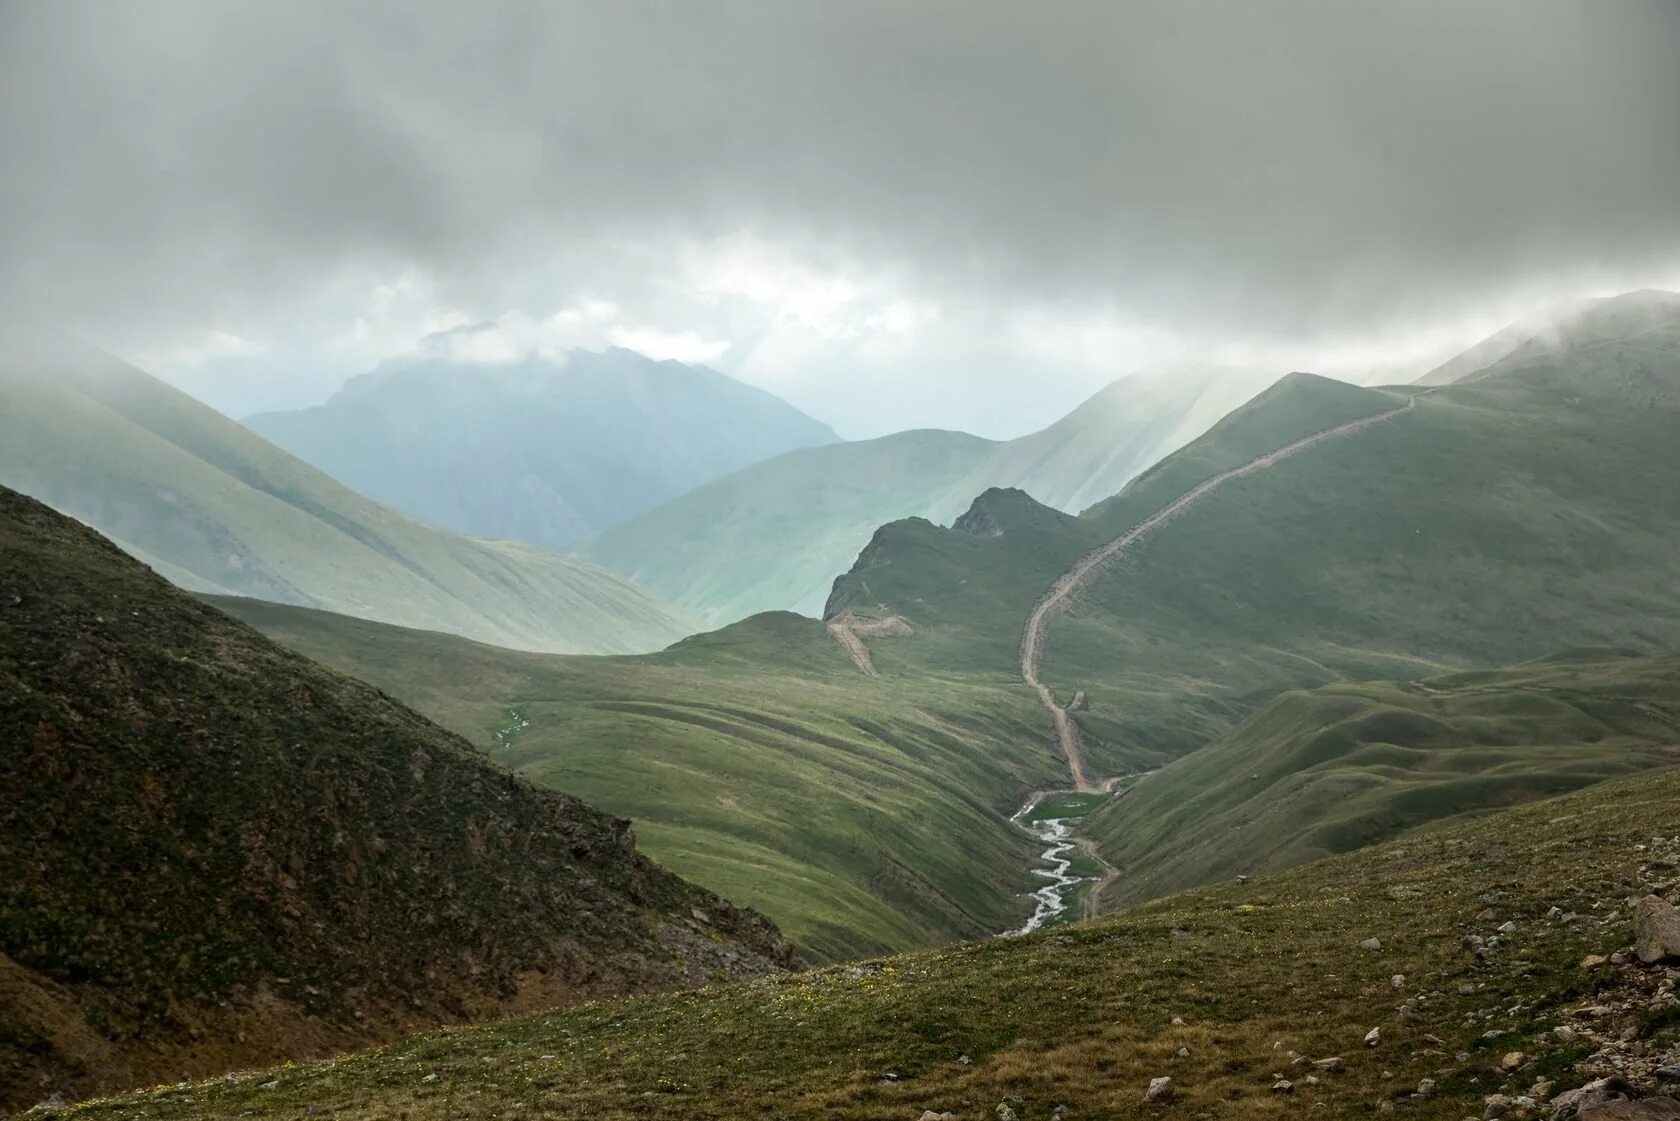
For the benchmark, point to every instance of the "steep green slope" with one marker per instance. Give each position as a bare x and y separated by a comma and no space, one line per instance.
773,536
1343,766
1228,991
1631,314
219,508
538,451
214,852
1534,508
862,814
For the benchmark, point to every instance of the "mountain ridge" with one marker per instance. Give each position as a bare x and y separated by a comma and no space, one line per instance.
774,535
538,450
182,485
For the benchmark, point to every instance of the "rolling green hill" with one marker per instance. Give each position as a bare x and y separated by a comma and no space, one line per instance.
864,815
1533,508
1256,1000
1465,529
774,535
215,853
216,508
539,451
1343,766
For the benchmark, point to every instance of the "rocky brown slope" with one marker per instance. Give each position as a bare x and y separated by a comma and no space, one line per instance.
214,852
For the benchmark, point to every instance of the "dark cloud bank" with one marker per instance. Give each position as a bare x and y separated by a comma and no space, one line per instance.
1290,167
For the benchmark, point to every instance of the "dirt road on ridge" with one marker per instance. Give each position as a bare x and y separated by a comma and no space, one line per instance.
1075,578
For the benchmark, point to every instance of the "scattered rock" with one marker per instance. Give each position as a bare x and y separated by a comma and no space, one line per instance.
1183,1052
430,1077
1006,1113
1373,1037
1371,944
1426,1087
1592,961
1570,1103
1178,1021
930,1115
1495,1105
1512,1060
1656,930
1507,927
1646,1109
1398,981
1333,1065
1160,1090
1283,1086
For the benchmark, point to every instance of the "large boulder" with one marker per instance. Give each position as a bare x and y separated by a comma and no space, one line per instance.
1656,930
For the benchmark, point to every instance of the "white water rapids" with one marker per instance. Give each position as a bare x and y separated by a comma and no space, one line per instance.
1051,898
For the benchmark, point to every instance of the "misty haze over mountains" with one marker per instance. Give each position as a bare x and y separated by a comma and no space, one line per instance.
538,451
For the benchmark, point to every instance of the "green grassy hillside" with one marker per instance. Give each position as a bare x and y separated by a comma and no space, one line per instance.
774,536
1228,991
216,508
863,814
538,450
1343,766
214,852
1467,530
1534,508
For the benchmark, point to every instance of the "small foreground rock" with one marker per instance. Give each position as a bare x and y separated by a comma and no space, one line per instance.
1160,1090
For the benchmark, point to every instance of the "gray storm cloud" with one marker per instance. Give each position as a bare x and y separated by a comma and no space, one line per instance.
1287,167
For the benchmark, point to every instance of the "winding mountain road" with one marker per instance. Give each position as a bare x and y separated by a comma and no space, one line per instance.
1084,569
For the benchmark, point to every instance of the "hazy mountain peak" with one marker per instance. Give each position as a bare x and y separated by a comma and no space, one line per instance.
538,448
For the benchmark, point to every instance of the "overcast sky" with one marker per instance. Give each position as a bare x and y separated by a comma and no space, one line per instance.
892,213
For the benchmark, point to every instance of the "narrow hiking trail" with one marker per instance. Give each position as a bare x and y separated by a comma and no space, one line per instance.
1084,569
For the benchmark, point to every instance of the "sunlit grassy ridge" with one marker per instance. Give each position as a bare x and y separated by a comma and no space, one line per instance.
214,507
1085,1016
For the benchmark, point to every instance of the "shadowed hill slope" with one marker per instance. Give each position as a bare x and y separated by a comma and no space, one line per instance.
1481,934
216,508
214,852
